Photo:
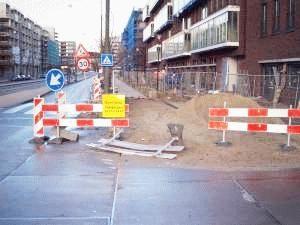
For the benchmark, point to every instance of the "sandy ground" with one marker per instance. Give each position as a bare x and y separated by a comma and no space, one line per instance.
149,119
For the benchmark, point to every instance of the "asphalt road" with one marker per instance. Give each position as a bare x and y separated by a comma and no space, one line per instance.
72,185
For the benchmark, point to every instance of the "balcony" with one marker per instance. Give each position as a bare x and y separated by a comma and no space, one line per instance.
4,43
154,54
4,34
181,6
5,52
146,13
153,4
5,62
148,32
219,30
176,46
163,19
6,24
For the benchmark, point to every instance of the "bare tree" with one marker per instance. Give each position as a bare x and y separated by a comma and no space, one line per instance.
280,82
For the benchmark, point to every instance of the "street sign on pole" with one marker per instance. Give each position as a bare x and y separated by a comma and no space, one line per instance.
55,79
83,64
82,52
106,60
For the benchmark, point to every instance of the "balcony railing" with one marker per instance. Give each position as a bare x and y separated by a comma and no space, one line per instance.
154,54
4,43
176,46
219,30
179,6
148,32
4,34
5,62
163,18
146,13
5,52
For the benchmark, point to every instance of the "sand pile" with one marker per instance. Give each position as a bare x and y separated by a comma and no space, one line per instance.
149,121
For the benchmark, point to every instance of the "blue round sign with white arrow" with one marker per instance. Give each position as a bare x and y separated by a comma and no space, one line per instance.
55,79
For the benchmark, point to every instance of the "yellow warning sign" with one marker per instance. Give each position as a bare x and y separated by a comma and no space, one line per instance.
113,106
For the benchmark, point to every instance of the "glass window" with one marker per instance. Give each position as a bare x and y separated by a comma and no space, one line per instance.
291,14
276,17
294,75
264,19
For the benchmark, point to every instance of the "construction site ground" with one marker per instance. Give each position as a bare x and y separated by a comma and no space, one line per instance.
249,151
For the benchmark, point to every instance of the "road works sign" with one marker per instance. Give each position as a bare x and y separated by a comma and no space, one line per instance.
106,60
82,52
83,64
113,106
55,79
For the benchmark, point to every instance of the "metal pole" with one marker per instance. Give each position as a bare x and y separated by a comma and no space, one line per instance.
224,131
107,81
113,81
289,135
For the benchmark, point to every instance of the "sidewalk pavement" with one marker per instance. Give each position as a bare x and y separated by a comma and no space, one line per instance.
125,89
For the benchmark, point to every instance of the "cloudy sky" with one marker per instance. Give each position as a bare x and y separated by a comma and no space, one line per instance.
77,20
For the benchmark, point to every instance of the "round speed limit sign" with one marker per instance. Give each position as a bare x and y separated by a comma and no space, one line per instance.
83,64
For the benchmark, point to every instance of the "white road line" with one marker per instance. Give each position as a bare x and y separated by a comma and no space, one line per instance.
115,197
18,108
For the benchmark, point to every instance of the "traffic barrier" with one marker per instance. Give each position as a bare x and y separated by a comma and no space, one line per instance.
225,113
40,122
96,89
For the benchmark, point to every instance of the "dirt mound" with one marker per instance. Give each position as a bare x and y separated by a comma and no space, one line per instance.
199,106
149,121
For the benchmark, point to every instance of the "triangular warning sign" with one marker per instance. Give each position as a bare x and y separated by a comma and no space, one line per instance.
82,52
106,61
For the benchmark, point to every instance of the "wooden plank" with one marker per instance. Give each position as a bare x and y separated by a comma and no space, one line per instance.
132,152
141,147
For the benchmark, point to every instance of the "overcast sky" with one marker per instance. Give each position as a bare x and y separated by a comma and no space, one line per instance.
77,20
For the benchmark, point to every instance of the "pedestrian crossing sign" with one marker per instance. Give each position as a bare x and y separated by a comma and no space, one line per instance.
106,60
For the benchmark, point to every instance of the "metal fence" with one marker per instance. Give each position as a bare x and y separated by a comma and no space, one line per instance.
190,83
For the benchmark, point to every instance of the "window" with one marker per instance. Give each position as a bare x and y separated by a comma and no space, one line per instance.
293,75
291,15
264,19
276,16
204,13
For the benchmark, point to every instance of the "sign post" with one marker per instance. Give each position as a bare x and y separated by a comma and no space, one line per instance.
55,80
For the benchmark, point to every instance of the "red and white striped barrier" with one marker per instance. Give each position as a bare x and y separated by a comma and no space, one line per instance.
254,127
40,121
97,92
61,99
38,115
72,108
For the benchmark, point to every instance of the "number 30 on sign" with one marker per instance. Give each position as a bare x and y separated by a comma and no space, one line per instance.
83,64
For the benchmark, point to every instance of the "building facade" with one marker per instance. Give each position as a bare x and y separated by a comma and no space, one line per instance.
67,55
132,44
24,48
224,37
115,49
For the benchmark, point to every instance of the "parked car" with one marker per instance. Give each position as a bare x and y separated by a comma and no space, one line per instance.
23,77
16,78
28,77
42,76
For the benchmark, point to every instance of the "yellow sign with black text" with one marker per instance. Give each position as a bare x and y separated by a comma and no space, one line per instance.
113,106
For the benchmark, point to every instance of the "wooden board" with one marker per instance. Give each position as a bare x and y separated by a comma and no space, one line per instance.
141,147
132,152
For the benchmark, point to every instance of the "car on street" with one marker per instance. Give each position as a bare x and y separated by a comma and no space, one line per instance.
16,78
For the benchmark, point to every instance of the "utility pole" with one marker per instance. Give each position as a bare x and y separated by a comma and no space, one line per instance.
107,49
101,39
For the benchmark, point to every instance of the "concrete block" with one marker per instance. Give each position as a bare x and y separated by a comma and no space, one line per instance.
69,135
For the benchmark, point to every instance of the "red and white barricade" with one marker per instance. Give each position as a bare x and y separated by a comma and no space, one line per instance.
38,115
254,127
40,122
96,89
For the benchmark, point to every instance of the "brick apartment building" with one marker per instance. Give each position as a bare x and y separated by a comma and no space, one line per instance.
227,38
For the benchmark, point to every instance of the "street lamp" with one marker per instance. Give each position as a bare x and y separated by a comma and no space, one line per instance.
158,49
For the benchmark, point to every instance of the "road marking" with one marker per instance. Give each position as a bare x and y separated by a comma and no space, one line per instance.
115,197
18,108
56,218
